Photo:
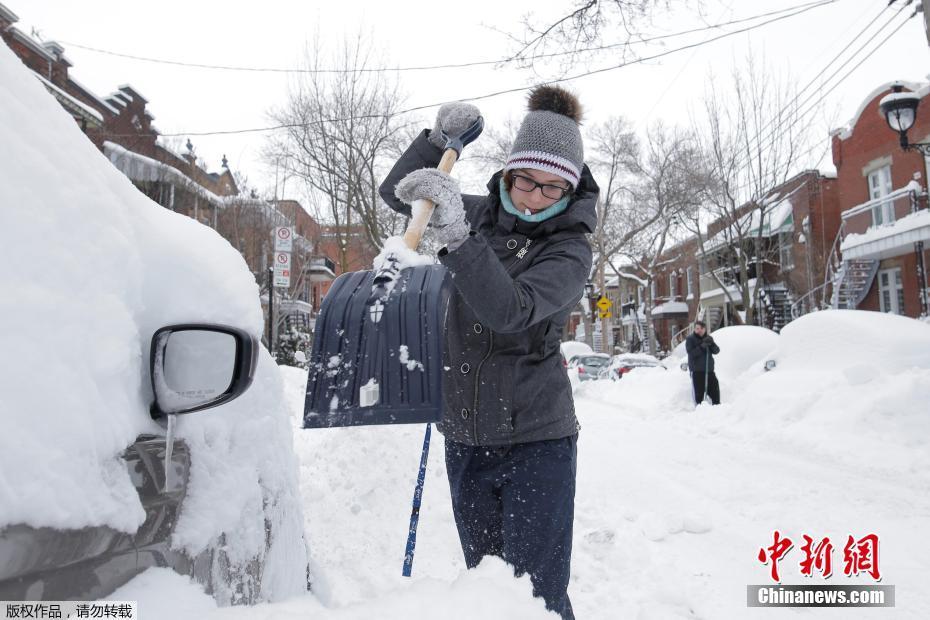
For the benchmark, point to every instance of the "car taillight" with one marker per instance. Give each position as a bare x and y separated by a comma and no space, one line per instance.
580,369
625,370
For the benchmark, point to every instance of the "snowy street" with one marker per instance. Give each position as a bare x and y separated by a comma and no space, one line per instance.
673,505
229,305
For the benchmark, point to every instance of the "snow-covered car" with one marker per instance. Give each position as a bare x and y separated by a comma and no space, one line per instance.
741,347
135,315
587,367
625,362
572,349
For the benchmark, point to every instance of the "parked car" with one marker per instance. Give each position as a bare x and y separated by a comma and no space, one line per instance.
741,347
572,349
588,366
625,362
134,435
192,368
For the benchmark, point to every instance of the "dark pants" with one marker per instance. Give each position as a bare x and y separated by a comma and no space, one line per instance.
518,503
713,388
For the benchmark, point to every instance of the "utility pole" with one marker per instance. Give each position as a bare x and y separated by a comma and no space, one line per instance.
271,311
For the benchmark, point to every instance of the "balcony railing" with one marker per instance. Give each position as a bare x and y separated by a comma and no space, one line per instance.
882,211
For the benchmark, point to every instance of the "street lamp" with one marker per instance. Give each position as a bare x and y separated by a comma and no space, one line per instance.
900,112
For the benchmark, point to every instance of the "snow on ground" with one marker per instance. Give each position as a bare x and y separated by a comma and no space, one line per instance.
89,269
673,502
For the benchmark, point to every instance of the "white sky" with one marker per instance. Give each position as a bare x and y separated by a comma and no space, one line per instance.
273,33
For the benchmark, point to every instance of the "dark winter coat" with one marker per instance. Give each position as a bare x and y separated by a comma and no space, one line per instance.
516,285
698,358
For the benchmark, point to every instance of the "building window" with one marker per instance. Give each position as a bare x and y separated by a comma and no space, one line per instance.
652,291
879,187
891,291
785,251
689,277
672,285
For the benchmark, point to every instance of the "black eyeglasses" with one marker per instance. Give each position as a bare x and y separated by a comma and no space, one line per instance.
526,184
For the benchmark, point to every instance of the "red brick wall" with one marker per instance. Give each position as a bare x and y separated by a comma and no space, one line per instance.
871,139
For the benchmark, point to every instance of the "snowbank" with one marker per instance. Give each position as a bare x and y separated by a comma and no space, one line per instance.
489,591
860,378
90,268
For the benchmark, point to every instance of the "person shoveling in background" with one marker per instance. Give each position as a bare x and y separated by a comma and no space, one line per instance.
519,259
701,351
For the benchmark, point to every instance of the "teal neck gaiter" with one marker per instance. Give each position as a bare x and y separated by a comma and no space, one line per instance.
545,214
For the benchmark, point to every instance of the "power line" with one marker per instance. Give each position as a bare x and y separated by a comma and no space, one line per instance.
196,65
511,90
832,88
792,122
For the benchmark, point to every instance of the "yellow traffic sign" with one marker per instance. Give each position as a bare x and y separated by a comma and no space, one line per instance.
604,304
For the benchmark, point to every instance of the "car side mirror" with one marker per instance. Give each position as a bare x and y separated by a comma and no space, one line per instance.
770,365
195,367
684,366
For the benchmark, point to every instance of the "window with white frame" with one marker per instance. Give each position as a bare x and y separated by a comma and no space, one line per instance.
689,277
879,187
785,250
652,290
672,285
891,291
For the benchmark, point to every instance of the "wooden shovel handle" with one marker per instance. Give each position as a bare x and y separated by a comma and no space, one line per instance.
422,210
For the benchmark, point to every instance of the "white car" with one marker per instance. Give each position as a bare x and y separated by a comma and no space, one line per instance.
625,362
133,315
741,346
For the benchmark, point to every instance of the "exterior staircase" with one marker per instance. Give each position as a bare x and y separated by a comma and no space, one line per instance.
713,317
777,301
852,282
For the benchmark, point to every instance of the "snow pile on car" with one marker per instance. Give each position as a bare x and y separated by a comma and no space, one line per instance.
860,378
90,267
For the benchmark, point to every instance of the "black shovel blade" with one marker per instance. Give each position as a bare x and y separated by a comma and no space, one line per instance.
379,360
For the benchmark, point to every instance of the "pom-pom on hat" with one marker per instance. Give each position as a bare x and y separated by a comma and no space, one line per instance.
549,138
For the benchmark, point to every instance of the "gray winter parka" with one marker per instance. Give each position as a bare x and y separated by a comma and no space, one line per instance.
516,285
701,352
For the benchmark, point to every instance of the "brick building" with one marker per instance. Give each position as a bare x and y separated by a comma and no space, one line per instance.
121,126
794,238
881,254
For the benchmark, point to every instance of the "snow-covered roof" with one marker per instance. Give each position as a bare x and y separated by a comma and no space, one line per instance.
55,48
91,93
671,307
82,107
31,43
8,15
775,219
141,168
920,88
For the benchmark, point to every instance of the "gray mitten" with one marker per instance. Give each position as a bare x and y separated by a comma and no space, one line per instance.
443,191
454,119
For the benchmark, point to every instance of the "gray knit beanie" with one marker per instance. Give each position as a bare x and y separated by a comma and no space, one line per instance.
549,138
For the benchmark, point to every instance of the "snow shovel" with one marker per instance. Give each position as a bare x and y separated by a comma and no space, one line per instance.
377,355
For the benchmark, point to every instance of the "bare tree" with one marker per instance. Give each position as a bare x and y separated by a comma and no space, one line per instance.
669,194
579,28
753,141
340,127
614,160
